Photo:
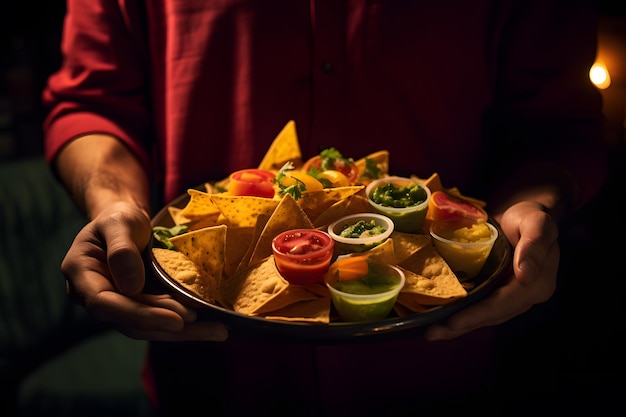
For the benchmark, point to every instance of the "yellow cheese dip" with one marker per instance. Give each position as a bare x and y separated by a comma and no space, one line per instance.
464,247
478,232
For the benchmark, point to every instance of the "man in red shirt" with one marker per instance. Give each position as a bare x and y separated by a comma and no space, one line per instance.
155,97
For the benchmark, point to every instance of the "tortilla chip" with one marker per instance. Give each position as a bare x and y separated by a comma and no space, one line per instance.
238,242
284,148
406,244
186,273
314,203
287,215
380,158
439,290
354,204
206,248
319,289
260,289
456,192
310,311
291,295
200,205
242,211
426,262
177,218
430,279
383,253
434,184
245,261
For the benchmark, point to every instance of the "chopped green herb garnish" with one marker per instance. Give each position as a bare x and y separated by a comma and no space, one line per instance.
296,189
163,234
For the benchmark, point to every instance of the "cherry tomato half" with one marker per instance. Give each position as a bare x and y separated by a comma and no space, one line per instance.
443,205
350,170
252,182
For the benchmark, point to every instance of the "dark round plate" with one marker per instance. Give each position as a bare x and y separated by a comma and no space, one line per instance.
497,267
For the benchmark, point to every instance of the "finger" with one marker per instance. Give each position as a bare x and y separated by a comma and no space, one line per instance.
126,235
166,301
125,312
537,247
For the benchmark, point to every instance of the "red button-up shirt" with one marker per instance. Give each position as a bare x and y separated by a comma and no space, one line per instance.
198,89
201,88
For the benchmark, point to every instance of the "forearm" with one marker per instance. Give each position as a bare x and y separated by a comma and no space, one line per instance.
99,170
544,183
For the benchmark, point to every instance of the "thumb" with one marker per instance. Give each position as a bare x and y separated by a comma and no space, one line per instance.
127,235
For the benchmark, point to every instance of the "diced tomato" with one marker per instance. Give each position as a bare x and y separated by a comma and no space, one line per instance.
444,205
302,256
252,182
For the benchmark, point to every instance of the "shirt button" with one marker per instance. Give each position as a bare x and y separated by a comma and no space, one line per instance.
327,67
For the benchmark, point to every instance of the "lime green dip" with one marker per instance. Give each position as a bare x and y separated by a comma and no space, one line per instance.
362,229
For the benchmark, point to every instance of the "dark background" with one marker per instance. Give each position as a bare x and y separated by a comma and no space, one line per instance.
573,356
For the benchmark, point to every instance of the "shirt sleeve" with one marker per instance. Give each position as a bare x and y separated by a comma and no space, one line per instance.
100,86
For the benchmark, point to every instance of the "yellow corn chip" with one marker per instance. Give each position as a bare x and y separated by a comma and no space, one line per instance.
380,158
186,273
174,213
383,253
284,148
206,248
287,215
200,205
289,296
238,240
354,204
434,184
242,211
438,289
258,228
314,203
310,311
251,288
406,244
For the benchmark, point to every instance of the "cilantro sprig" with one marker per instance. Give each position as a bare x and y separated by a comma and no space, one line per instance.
163,234
331,158
296,189
372,171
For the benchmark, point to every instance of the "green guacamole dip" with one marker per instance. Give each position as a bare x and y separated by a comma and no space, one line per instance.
372,283
390,195
362,229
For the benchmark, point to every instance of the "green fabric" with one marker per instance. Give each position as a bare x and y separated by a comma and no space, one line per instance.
98,377
37,224
54,358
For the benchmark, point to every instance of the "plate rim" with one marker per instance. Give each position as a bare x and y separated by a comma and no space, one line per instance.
334,331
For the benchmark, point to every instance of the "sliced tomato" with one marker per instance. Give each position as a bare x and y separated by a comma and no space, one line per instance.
350,170
252,182
444,206
349,268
